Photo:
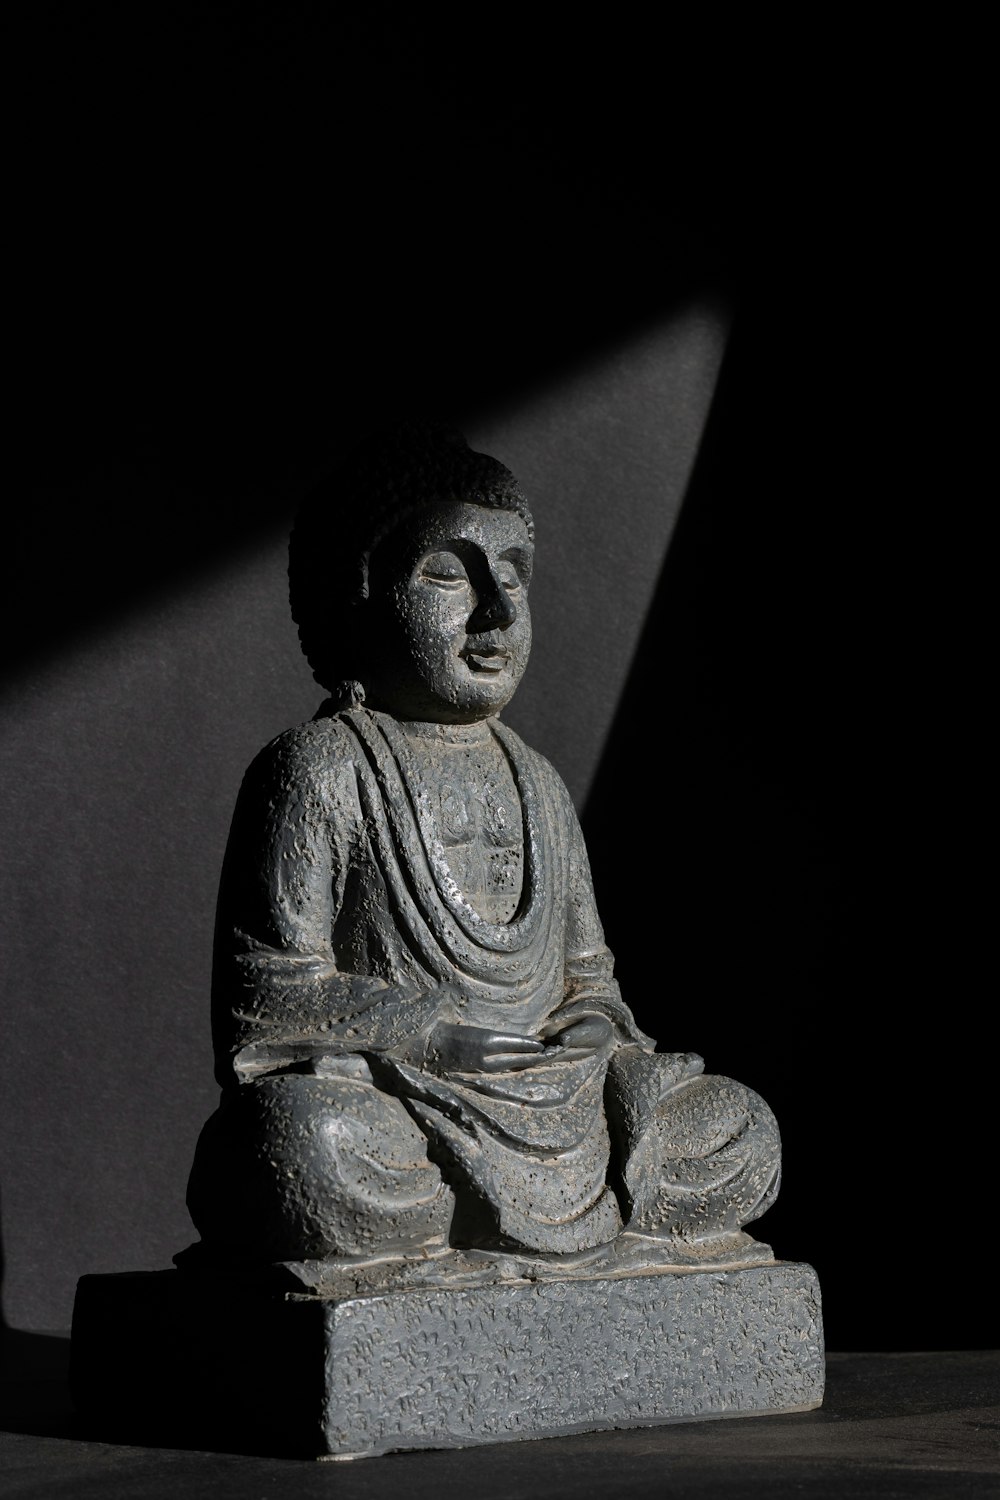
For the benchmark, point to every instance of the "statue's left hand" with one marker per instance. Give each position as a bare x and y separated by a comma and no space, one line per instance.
581,1038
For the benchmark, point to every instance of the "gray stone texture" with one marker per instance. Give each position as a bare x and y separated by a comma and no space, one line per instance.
162,1354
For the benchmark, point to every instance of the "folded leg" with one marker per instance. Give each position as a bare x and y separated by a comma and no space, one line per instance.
700,1157
297,1167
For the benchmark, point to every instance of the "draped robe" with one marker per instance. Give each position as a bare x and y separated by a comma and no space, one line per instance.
343,939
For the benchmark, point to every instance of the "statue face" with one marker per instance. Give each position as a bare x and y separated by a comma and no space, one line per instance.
448,597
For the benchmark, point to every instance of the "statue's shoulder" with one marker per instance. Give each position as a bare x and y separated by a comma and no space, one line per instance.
313,753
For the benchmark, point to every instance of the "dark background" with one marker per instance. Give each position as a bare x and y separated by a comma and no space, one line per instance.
242,234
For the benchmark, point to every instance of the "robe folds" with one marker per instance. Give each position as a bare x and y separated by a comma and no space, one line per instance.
343,939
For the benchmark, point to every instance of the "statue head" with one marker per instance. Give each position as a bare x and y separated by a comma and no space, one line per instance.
409,572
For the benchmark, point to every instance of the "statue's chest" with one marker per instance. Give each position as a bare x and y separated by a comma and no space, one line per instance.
470,820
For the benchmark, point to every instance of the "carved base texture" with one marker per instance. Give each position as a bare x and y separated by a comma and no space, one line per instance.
166,1358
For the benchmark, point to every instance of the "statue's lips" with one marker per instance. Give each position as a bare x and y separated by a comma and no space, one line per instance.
487,661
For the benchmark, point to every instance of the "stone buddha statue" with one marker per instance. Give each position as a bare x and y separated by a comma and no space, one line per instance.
427,1068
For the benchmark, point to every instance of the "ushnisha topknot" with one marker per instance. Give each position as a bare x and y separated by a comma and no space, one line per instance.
340,524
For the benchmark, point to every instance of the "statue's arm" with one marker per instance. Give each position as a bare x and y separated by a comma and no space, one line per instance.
280,1001
590,988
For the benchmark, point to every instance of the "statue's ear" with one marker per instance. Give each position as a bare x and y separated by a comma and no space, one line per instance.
349,694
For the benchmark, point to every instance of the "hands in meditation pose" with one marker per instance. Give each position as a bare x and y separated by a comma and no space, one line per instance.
422,1048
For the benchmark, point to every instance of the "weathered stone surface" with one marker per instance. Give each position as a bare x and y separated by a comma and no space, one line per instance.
442,1368
452,1193
418,1034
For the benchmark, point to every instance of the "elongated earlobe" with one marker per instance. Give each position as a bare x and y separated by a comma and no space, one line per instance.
350,694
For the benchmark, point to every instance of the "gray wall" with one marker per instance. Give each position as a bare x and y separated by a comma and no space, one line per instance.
242,233
120,759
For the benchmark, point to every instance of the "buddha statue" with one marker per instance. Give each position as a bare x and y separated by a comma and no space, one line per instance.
427,1068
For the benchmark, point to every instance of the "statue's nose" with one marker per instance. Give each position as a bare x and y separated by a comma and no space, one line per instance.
495,609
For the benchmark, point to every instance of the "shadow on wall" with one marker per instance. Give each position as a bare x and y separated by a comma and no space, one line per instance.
729,826
123,753
725,824
742,850
309,219
34,1368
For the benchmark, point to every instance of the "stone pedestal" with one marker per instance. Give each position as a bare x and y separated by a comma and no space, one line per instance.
166,1358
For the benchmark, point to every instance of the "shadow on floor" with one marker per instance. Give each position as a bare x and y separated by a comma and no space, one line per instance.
34,1393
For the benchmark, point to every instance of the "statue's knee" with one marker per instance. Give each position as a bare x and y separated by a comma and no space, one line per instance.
303,1167
706,1114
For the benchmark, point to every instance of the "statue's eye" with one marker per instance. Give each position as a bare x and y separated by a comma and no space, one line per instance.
509,576
445,570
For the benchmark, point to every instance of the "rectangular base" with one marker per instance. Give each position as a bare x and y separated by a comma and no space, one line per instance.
162,1357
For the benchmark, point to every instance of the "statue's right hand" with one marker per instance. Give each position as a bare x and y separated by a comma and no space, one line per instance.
470,1049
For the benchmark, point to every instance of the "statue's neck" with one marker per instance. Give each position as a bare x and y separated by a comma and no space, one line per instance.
448,734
